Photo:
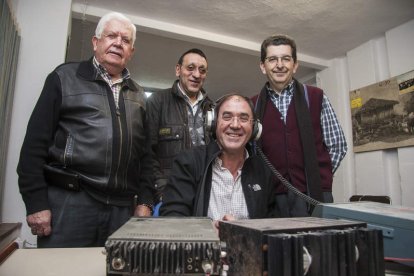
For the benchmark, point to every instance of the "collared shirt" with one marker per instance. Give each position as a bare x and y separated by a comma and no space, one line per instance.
116,85
195,118
332,133
226,195
194,105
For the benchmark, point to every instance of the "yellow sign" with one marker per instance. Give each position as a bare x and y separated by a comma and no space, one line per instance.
356,103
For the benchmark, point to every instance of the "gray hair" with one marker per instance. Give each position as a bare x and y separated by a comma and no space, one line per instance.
118,16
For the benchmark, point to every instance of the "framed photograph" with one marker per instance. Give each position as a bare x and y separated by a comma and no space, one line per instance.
383,114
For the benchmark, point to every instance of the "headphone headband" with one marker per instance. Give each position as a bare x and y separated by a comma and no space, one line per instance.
210,120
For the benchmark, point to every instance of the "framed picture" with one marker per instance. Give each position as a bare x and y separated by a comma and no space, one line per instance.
383,114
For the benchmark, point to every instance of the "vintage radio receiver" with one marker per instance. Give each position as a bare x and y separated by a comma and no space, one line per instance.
395,222
165,246
302,246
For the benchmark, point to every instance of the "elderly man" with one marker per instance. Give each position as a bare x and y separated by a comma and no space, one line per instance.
84,158
223,180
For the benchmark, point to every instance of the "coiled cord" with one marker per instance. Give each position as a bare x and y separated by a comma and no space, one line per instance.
288,185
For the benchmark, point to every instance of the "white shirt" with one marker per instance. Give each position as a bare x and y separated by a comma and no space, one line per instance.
194,105
226,195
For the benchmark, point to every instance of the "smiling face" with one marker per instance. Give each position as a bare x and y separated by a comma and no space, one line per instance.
192,73
234,125
279,66
114,48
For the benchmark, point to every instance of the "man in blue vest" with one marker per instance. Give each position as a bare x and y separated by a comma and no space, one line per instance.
301,135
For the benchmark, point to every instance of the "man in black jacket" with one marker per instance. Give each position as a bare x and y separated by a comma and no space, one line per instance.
176,115
84,158
223,180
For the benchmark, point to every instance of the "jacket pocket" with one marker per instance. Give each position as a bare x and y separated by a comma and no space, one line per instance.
58,176
170,141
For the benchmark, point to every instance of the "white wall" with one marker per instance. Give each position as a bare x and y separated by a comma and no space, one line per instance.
334,81
400,43
384,172
44,26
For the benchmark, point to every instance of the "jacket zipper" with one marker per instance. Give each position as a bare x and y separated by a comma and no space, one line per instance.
186,133
68,150
203,184
118,115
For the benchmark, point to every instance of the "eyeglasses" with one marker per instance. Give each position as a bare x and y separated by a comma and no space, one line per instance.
243,118
113,36
192,68
280,60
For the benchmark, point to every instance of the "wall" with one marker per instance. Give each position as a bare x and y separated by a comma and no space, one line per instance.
384,172
43,27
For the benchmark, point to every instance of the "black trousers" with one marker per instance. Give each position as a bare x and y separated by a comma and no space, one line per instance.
291,205
78,220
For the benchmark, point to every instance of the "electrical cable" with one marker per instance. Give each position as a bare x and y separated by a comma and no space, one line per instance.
288,185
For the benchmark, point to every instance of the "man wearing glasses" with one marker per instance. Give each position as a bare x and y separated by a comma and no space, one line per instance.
176,115
85,155
301,136
223,180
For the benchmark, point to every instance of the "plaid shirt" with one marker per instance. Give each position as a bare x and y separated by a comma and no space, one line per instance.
226,195
116,85
333,135
195,118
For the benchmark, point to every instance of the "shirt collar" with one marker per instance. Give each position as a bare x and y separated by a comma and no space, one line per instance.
200,95
219,162
102,71
287,90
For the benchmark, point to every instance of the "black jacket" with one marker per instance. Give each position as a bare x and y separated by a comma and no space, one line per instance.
168,120
188,190
76,128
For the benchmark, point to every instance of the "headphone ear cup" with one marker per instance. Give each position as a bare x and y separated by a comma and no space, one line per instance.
257,130
210,122
213,128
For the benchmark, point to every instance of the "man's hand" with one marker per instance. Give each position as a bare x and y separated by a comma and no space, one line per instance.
142,211
226,217
40,223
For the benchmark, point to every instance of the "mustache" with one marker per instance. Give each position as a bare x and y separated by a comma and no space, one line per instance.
280,71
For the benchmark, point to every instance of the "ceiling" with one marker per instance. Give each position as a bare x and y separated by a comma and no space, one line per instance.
230,33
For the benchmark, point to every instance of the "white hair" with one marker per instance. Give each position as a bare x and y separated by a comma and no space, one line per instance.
110,16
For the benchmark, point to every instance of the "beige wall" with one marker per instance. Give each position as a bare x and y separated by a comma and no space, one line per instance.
384,172
43,28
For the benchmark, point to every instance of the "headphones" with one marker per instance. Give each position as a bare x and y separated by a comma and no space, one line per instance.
210,120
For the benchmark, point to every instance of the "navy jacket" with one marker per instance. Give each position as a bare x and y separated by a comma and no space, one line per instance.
168,121
188,189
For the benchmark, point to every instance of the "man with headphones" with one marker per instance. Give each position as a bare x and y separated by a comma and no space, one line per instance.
223,180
